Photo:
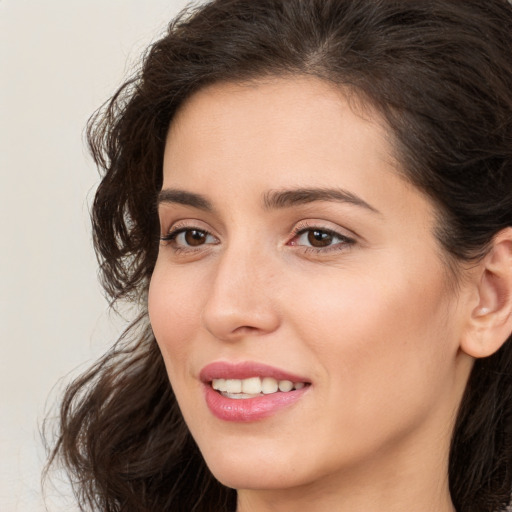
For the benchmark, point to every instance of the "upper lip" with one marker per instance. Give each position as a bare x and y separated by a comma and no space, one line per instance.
245,370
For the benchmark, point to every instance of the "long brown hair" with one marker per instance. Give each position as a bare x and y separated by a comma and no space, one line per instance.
439,71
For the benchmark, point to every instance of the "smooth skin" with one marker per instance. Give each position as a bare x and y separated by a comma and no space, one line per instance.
344,283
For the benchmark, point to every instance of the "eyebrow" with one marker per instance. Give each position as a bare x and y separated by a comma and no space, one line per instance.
272,200
170,195
276,199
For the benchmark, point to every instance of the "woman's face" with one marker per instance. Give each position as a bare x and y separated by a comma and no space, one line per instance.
295,253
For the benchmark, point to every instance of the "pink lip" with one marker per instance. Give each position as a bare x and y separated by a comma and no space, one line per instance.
249,409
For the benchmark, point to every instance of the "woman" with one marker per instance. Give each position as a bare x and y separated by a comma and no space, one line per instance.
310,202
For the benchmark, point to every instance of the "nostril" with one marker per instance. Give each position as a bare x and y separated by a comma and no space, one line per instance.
245,329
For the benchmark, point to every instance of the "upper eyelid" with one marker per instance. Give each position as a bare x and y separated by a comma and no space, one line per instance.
322,225
324,230
298,228
185,224
177,230
343,241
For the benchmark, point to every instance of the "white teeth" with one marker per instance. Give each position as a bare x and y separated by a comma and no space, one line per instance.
233,386
219,384
238,396
253,386
269,385
285,385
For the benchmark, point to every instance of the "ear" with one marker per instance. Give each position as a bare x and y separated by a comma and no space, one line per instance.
490,322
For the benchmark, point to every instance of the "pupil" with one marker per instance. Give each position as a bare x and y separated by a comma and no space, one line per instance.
319,238
194,237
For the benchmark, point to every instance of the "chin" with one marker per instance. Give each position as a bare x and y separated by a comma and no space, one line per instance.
261,465
254,477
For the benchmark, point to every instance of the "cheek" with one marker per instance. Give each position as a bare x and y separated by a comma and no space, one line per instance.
383,350
380,337
174,311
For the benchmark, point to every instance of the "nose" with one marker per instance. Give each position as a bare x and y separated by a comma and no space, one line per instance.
242,298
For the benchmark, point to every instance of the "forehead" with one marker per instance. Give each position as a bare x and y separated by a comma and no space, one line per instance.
293,127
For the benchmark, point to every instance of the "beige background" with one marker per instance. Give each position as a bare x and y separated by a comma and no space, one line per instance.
59,60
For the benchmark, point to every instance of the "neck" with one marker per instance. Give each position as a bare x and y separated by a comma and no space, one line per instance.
363,500
374,496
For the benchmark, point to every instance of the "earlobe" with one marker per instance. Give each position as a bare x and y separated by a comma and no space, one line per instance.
490,321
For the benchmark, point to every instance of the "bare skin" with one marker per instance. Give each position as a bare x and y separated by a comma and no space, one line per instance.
296,243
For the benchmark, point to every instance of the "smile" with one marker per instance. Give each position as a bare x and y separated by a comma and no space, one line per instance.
253,387
249,391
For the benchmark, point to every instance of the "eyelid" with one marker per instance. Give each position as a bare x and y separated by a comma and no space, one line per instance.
184,224
321,225
346,239
181,226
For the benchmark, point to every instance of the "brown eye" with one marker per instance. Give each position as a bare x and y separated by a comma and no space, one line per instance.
184,238
321,240
194,237
318,238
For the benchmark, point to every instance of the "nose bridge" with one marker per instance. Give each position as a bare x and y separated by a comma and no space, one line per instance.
240,298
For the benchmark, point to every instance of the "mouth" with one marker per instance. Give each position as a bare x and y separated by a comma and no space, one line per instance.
253,387
249,391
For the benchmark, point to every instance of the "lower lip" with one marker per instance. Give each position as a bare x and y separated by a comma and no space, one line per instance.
250,409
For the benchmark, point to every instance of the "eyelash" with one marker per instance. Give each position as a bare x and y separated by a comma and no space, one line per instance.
178,230
301,229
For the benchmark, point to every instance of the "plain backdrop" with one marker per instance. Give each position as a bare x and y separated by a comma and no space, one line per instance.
59,61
